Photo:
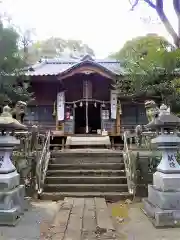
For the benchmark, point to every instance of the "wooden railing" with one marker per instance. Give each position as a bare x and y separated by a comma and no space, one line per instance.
42,164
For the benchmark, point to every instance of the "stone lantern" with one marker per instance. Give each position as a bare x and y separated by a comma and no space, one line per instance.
11,192
163,202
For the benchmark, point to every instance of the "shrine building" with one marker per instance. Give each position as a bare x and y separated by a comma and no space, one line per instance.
76,96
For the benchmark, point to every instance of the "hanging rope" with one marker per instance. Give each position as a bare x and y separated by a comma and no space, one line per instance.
88,100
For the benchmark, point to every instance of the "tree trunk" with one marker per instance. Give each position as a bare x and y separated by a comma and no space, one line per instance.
169,27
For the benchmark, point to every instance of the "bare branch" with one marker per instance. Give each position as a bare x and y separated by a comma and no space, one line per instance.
176,5
160,11
134,4
159,5
166,22
150,3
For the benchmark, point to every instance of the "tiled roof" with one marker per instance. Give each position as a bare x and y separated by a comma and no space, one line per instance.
58,66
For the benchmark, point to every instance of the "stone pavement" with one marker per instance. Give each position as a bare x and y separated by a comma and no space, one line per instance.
132,224
34,221
82,219
86,219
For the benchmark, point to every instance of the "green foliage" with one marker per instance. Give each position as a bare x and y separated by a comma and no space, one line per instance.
150,62
55,47
136,48
11,62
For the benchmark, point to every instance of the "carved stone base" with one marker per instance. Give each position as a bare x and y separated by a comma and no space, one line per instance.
164,200
10,217
9,181
13,198
166,182
160,217
12,205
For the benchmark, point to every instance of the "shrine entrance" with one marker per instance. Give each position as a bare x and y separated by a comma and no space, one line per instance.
88,119
88,103
80,120
94,118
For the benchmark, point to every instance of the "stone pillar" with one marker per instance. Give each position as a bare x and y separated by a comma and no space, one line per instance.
11,192
163,202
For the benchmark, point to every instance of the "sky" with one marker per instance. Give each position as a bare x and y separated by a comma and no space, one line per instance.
104,25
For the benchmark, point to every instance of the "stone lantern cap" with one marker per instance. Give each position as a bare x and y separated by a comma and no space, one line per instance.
7,122
165,119
150,103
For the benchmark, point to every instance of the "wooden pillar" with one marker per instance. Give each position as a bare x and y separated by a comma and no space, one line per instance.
63,143
118,119
112,142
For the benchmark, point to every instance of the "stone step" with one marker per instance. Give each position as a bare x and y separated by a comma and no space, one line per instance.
85,187
88,140
80,160
86,153
113,166
113,196
86,179
86,172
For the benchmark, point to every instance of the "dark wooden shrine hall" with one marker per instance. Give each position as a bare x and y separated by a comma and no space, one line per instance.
76,96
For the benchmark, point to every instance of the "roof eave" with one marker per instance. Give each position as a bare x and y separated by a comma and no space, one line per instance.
88,62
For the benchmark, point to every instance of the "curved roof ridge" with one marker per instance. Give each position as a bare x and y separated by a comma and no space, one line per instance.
36,66
55,66
76,60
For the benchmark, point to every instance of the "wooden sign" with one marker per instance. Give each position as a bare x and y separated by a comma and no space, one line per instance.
60,106
113,104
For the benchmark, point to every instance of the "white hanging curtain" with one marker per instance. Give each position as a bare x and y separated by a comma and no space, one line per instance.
60,106
113,104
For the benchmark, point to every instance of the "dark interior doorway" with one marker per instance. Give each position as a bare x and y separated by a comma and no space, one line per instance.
80,120
94,119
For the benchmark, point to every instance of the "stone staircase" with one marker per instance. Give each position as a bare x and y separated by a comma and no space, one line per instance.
86,173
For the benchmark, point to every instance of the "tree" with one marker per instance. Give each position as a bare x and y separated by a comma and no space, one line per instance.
158,6
138,47
150,63
57,47
12,86
25,41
